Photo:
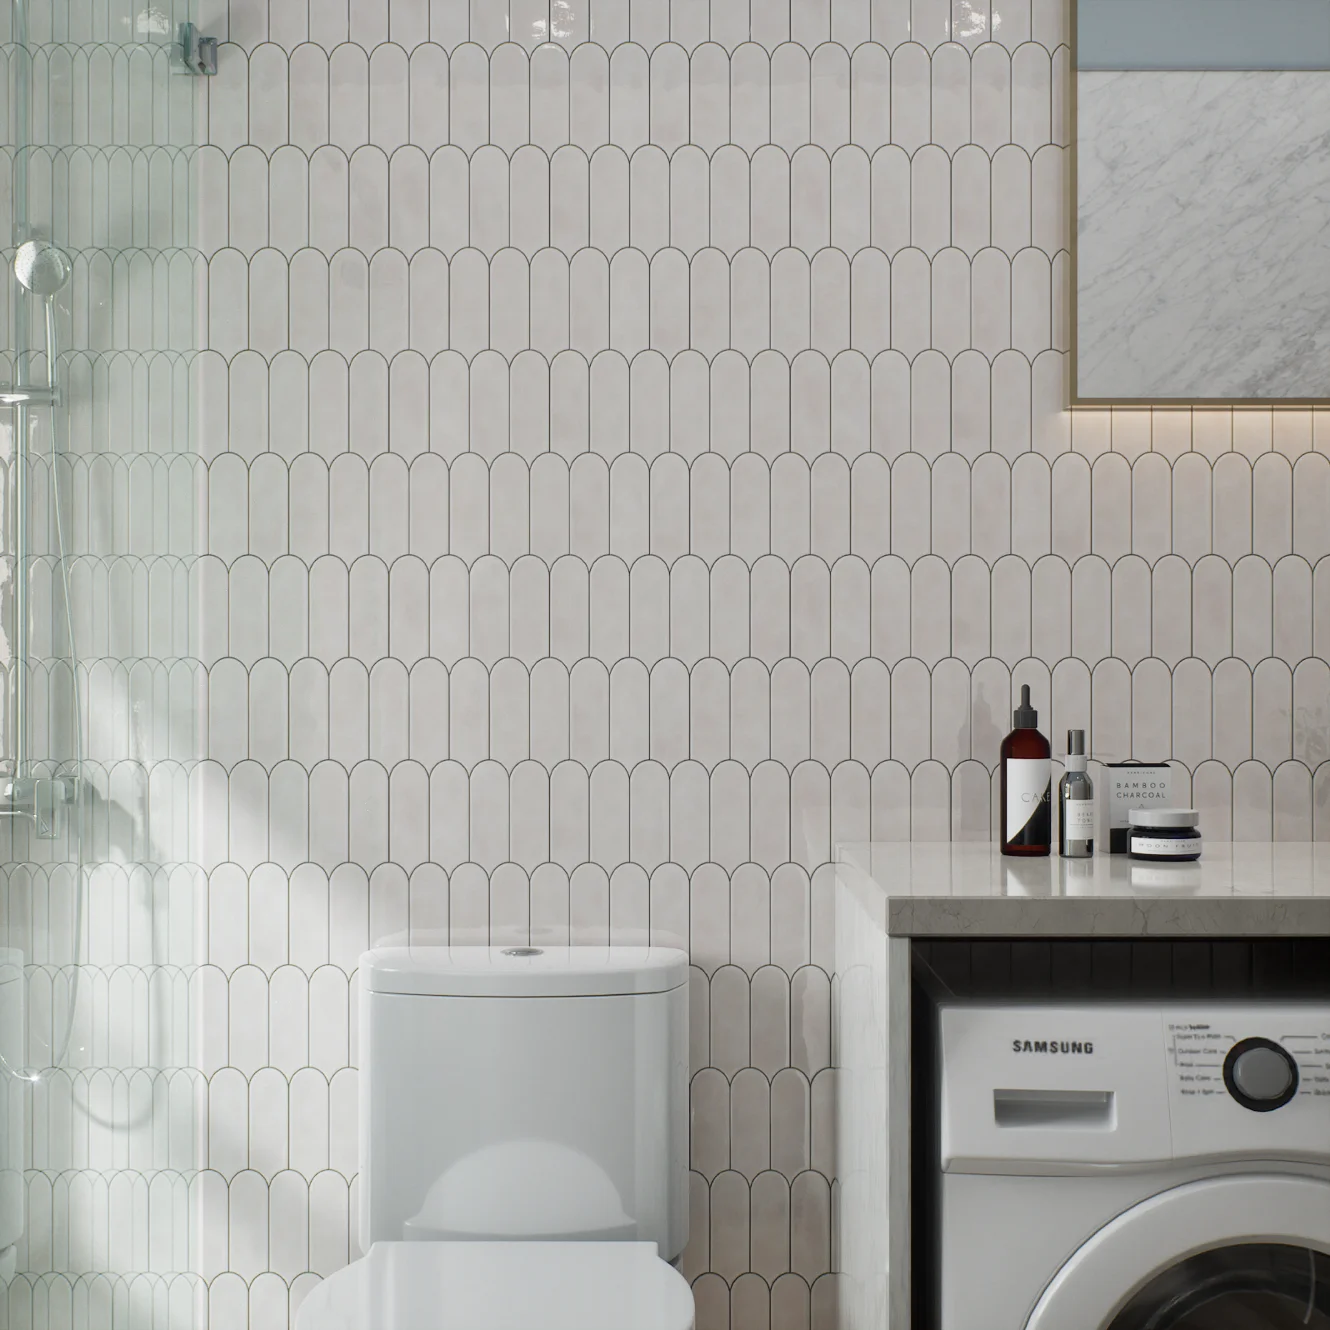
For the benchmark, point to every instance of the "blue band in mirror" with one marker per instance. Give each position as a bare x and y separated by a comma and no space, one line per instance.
1203,34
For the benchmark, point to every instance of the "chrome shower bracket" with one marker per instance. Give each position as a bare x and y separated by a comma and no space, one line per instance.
19,394
198,53
42,798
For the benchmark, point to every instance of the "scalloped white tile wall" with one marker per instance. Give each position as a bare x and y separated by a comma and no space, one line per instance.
630,458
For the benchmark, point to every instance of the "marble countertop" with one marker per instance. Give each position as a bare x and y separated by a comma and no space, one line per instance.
959,889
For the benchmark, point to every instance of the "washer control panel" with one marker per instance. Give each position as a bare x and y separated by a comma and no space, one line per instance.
1048,1088
1246,1077
1211,1058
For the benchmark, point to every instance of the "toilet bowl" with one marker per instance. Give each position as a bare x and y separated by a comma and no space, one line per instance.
502,1286
523,1142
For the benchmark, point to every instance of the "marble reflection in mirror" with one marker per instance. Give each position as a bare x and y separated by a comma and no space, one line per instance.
1202,200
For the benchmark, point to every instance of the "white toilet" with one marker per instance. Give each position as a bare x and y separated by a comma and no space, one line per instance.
523,1142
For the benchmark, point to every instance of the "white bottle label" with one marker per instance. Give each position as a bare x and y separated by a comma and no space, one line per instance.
1078,819
1165,847
1028,780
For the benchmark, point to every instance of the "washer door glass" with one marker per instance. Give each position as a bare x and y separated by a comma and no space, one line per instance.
1252,1286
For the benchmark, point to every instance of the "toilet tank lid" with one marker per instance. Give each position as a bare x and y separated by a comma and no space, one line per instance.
523,971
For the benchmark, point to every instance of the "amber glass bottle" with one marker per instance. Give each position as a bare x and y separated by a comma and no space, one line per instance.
1027,784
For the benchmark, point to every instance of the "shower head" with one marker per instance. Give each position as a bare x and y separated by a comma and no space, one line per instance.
41,268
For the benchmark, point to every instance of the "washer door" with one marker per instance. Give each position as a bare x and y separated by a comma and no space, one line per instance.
1250,1252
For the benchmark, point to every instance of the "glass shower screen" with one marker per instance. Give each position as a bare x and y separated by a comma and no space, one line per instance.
98,1097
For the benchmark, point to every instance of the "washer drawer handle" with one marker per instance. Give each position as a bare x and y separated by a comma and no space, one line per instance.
1073,1110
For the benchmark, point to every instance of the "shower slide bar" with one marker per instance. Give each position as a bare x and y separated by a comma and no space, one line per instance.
43,271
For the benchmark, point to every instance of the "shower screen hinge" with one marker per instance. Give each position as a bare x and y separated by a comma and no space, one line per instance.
198,53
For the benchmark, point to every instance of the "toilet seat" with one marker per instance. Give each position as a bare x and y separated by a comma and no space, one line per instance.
502,1286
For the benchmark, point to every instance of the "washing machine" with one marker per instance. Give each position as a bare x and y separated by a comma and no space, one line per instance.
1133,1167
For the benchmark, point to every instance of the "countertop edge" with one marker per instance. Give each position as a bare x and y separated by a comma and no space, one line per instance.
1106,916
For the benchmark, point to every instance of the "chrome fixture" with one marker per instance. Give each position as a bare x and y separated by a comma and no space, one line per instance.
42,798
12,395
43,271
198,53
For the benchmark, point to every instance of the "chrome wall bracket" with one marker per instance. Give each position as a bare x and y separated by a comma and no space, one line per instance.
42,798
19,394
198,53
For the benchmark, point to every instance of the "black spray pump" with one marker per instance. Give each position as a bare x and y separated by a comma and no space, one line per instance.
1025,717
1027,784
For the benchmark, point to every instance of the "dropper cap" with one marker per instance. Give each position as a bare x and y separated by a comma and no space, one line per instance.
1025,717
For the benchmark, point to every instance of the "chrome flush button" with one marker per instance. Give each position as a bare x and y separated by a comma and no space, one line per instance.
522,951
1260,1074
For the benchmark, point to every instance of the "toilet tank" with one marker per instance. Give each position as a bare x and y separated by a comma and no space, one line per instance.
524,1093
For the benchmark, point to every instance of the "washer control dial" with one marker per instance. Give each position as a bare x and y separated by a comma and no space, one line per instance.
1260,1074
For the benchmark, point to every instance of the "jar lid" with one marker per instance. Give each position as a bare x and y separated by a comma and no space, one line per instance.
1163,817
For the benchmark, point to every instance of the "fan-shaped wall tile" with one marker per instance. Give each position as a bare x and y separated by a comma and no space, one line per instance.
631,439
